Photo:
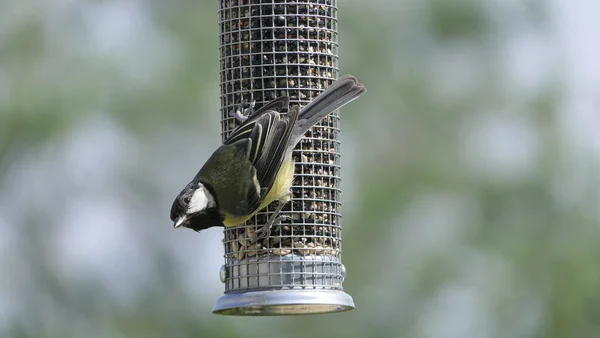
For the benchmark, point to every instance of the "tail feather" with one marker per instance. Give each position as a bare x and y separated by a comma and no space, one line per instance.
341,92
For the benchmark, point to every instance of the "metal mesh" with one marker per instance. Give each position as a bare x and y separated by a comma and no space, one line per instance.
270,49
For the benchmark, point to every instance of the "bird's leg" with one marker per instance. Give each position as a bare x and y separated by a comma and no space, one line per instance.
275,218
265,230
240,115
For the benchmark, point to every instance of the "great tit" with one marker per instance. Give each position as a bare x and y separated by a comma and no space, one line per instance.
254,166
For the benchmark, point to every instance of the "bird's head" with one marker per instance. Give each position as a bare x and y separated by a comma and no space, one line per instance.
196,208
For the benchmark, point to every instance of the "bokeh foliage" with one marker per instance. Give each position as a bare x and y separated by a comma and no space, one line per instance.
469,210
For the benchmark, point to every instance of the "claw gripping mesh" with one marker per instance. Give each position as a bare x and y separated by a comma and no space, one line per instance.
270,49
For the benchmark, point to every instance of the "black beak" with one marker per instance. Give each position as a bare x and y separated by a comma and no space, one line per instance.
179,221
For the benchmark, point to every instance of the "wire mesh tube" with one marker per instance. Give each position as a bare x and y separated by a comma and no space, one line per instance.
285,48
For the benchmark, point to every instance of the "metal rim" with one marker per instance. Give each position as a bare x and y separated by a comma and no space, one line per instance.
283,302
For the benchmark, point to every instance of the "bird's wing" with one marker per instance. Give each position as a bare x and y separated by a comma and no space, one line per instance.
274,152
246,127
268,135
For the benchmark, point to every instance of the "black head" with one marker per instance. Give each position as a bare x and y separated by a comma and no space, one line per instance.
196,208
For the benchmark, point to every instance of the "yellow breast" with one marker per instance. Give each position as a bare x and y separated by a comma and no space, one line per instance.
279,191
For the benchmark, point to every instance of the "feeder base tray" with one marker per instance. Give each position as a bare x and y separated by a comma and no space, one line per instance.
283,303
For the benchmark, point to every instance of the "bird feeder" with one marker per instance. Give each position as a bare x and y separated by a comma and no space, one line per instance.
268,49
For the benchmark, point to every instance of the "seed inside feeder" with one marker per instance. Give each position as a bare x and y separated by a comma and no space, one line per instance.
271,49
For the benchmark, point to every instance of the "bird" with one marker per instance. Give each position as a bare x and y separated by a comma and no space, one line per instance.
254,166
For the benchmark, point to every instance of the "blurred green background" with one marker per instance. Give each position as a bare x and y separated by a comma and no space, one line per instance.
471,170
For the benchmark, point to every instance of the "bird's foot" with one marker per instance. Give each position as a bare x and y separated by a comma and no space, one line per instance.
265,230
240,115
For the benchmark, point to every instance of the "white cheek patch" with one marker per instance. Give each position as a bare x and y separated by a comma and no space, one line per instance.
201,199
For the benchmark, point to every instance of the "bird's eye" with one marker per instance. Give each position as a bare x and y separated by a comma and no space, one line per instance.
186,200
